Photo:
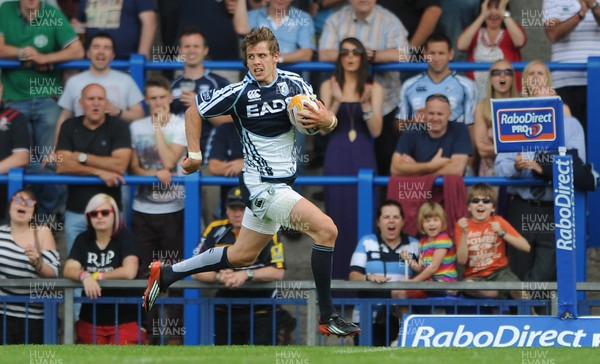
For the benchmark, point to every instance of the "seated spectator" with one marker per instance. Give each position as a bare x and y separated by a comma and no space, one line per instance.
538,265
437,256
27,251
357,102
481,242
131,23
14,147
106,250
501,85
439,147
492,36
377,258
269,266
293,28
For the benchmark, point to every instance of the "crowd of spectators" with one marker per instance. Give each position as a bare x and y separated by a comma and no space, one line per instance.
437,122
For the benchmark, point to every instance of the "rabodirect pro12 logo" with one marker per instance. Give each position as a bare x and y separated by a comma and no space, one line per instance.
526,125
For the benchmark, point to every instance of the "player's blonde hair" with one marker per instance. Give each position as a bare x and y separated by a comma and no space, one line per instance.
256,36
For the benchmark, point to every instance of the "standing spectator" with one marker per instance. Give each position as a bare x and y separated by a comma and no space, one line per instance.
94,144
293,28
197,80
158,143
501,85
438,79
27,251
385,39
539,265
377,258
131,23
14,147
456,17
492,36
124,96
214,18
320,10
357,103
226,157
419,17
481,242
268,267
31,88
437,256
573,27
444,148
105,251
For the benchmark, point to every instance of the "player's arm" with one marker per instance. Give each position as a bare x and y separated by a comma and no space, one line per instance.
193,128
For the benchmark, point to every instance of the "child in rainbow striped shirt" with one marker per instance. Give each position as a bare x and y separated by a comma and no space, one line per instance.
437,255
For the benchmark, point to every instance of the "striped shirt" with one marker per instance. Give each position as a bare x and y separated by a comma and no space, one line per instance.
461,93
447,270
576,47
381,30
261,119
14,264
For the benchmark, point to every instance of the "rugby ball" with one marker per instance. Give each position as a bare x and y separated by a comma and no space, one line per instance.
298,104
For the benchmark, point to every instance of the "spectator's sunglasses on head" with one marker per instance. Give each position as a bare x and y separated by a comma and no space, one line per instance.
439,97
103,212
20,201
485,200
506,72
355,51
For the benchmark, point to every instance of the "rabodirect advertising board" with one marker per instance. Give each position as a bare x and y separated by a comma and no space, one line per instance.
519,123
476,331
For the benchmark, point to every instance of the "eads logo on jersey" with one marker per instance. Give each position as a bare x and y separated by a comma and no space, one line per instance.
526,124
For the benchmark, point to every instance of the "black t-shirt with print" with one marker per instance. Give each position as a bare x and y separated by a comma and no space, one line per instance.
93,259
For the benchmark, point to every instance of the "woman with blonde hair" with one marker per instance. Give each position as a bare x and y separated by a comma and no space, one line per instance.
105,251
501,85
537,82
27,251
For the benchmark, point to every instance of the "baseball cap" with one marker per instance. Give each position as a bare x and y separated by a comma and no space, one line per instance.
234,198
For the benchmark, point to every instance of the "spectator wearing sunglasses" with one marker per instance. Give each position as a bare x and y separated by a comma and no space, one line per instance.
441,147
105,251
357,103
493,35
27,251
481,241
501,85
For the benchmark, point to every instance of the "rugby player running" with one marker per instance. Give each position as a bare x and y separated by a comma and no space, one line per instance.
257,105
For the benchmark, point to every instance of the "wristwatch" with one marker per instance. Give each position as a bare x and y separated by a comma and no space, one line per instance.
83,157
506,14
502,233
250,274
593,7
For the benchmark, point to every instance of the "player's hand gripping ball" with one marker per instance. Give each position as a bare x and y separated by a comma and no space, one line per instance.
298,104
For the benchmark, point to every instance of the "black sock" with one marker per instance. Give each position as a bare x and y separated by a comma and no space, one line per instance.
321,262
211,260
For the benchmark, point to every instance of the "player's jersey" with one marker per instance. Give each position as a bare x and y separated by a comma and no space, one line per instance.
261,119
460,91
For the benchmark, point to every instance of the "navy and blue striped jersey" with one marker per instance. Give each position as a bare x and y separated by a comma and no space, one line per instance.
261,119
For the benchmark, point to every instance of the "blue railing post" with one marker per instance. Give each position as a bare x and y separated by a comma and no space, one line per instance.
15,180
365,202
191,231
580,240
137,69
593,153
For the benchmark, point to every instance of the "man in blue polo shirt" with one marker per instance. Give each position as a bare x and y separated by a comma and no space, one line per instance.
437,146
438,79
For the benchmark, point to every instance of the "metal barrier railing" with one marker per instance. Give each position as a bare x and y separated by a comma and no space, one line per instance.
63,295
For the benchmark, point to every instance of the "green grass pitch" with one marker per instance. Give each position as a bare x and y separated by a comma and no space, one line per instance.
75,354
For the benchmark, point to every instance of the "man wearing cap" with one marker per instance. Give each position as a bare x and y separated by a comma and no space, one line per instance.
268,267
